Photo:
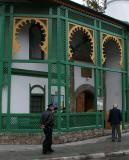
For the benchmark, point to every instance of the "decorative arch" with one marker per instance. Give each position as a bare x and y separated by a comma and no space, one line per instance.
73,28
118,41
37,86
84,87
85,98
19,23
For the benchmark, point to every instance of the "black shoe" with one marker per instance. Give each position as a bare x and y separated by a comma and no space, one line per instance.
44,152
51,150
113,140
119,140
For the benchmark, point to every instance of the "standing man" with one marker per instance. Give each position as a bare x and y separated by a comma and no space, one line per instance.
47,123
115,119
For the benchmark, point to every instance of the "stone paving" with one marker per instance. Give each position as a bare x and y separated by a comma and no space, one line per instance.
100,148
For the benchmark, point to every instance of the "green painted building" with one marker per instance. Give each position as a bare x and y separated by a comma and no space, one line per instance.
65,53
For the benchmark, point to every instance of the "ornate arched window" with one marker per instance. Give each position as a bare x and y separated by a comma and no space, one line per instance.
37,99
30,35
112,51
81,43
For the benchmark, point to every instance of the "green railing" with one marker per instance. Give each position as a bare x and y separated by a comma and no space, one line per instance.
63,122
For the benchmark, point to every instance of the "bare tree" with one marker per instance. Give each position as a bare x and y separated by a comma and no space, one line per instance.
97,5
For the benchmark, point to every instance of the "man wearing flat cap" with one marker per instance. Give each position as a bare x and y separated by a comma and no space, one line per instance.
47,123
115,119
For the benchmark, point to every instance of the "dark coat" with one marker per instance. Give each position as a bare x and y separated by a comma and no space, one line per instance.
47,118
115,116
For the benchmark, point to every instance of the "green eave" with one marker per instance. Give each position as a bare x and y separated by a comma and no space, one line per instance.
31,73
75,6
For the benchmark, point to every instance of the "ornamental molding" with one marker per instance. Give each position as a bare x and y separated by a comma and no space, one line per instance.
73,28
20,22
106,38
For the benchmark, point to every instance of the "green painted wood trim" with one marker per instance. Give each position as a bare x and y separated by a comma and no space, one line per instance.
2,32
49,55
127,58
10,39
30,73
29,61
58,67
123,98
1,82
67,94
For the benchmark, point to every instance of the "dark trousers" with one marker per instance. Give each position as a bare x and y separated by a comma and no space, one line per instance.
116,131
48,139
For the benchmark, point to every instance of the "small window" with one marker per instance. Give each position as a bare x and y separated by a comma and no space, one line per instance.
37,103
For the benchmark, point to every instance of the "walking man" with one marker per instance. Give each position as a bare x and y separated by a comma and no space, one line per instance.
47,123
115,119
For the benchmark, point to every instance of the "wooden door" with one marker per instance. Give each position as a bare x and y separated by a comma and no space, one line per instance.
80,101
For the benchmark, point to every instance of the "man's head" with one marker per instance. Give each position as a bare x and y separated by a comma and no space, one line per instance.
115,105
52,107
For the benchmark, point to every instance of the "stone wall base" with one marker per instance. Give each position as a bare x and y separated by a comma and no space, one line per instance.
58,138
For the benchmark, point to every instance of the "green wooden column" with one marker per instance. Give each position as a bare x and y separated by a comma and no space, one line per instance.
2,24
9,52
98,61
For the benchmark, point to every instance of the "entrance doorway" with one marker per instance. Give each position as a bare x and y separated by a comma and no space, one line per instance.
85,99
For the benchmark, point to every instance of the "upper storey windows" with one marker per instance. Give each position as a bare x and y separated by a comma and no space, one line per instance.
81,43
30,38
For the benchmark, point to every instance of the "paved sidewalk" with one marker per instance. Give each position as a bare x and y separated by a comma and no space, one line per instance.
89,149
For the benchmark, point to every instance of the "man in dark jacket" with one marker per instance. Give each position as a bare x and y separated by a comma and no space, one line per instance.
115,119
47,123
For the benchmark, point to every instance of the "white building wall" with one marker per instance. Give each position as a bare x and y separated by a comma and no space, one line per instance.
79,80
20,98
4,99
31,66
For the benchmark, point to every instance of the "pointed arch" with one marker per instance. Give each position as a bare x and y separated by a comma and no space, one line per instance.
118,41
73,28
19,23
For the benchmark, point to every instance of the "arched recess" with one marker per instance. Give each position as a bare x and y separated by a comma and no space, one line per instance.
20,22
81,43
85,98
37,99
117,42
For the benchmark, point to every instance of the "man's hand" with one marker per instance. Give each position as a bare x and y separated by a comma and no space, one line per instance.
42,126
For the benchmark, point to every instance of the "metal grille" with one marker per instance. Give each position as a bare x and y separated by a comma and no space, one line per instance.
81,18
63,74
54,10
31,122
25,121
63,39
53,72
62,12
5,73
54,39
111,28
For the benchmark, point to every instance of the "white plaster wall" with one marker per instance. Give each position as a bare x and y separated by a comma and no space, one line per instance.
20,92
4,99
31,66
113,90
118,9
82,80
113,80
23,39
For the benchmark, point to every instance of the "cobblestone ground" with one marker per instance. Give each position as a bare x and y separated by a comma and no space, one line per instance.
98,145
118,158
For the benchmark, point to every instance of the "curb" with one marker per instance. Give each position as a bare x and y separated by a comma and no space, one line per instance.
92,156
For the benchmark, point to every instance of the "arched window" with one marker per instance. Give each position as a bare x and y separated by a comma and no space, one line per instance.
34,42
30,38
81,43
37,99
